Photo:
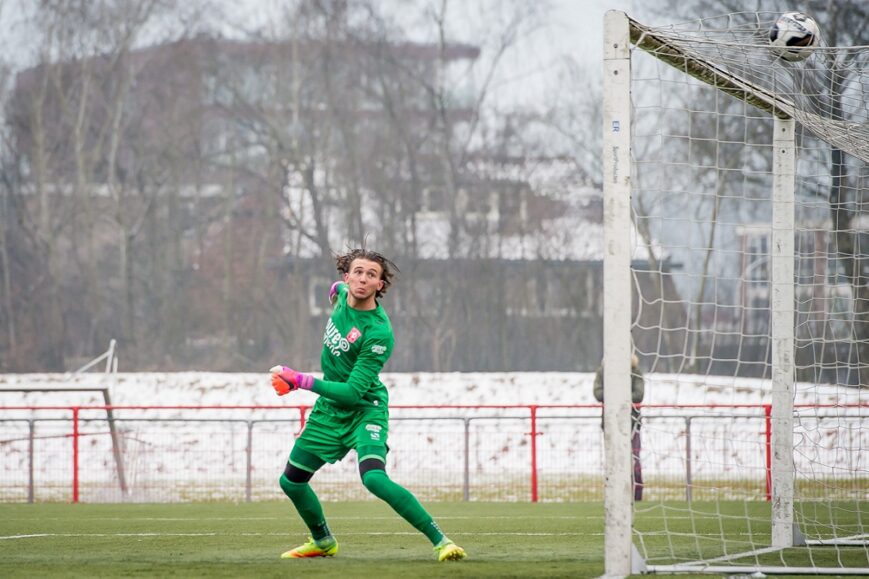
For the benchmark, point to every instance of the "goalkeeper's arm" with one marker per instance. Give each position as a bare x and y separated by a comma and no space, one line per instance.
374,354
285,380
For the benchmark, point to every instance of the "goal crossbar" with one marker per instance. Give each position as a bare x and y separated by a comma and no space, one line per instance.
667,51
840,133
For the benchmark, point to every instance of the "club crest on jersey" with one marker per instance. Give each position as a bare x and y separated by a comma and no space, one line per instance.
354,335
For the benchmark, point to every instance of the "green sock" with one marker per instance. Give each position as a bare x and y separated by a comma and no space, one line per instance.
306,502
403,502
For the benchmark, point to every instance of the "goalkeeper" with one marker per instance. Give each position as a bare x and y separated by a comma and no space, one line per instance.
352,410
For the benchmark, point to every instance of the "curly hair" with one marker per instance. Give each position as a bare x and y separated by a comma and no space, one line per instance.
388,268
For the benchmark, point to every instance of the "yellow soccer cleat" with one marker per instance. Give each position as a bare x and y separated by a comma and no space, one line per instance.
322,548
449,551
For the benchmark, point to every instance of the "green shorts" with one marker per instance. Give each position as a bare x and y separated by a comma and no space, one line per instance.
329,439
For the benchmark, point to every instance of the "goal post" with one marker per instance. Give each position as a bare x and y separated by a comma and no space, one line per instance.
782,331
617,283
737,180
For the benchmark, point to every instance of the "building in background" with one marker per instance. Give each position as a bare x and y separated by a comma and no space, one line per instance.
197,190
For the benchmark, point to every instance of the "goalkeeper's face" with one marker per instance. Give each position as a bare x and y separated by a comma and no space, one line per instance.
364,281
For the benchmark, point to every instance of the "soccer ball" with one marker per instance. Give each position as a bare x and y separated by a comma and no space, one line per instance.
793,36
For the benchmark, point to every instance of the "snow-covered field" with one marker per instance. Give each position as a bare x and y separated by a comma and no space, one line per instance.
182,454
211,388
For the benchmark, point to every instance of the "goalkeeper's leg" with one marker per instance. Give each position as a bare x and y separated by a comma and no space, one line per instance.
294,482
376,480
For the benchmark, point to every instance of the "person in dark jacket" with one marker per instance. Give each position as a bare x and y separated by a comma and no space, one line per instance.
638,391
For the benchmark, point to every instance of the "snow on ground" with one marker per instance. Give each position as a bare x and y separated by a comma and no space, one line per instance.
211,388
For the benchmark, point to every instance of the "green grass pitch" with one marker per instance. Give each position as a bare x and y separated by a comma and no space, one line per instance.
246,540
502,539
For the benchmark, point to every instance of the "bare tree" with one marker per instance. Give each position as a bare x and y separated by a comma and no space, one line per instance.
847,24
171,183
70,116
438,137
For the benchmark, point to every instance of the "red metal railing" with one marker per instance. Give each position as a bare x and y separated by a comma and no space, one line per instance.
531,413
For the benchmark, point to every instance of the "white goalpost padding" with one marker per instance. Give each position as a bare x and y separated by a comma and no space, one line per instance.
743,177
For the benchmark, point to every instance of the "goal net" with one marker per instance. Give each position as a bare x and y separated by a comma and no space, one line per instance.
740,178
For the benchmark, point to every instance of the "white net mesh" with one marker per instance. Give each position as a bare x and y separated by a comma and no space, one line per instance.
704,95
826,92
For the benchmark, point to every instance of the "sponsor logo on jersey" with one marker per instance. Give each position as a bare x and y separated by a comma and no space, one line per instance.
354,335
378,349
374,431
333,340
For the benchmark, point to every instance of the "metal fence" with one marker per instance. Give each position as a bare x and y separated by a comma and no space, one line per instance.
471,453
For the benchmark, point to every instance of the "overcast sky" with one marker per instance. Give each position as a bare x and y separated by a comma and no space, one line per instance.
575,29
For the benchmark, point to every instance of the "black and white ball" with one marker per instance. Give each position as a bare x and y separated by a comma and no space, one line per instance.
794,35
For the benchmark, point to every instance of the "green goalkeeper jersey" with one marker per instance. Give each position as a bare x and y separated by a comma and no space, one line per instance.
356,345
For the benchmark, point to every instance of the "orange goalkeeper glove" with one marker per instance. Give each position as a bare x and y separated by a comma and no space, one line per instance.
285,380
